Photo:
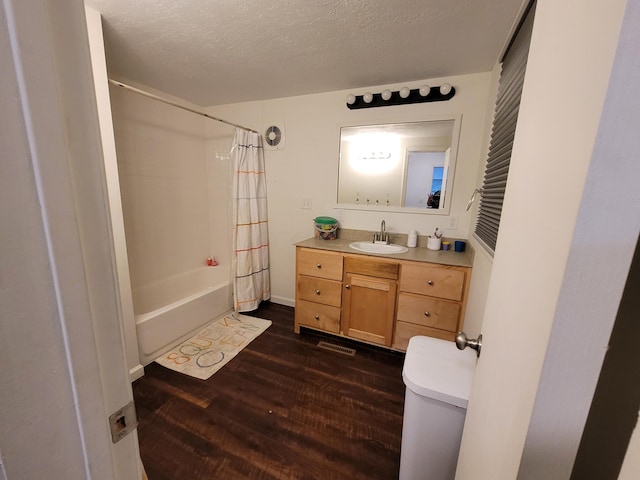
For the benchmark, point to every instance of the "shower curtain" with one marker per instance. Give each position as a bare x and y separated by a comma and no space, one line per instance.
251,282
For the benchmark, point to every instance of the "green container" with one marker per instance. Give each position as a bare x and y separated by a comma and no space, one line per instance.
326,228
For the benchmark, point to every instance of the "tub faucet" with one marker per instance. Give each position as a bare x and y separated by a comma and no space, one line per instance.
381,236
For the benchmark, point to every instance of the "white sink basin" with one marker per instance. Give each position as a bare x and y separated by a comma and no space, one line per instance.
370,247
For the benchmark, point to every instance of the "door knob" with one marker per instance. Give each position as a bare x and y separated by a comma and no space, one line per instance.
463,342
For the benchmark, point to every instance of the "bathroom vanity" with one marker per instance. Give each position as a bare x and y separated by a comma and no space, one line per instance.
378,298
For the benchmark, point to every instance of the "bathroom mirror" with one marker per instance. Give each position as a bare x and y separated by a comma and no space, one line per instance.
400,167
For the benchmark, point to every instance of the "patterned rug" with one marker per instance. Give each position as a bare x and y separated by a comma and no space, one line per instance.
207,352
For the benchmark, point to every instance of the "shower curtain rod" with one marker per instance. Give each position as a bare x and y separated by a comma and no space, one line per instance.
174,104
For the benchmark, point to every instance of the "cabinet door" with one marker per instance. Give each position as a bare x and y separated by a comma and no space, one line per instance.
368,308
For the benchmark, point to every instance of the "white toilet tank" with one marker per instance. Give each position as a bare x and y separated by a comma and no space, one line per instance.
438,380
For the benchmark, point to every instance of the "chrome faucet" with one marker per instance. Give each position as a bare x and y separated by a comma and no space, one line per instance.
381,236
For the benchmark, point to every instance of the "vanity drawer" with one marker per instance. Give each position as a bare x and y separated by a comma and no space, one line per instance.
404,331
317,263
372,267
316,315
428,311
434,280
320,290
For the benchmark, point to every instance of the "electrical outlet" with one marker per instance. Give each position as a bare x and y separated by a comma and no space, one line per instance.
453,222
306,204
339,214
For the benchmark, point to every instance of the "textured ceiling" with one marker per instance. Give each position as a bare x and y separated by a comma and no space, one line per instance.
214,52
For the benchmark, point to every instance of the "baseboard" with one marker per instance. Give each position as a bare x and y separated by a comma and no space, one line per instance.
283,301
136,372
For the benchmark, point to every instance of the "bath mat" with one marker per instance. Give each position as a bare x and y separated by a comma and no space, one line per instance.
207,352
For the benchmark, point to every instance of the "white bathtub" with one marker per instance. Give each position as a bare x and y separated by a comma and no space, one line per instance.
170,311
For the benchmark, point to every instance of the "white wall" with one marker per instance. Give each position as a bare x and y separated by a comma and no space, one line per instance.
100,79
571,55
307,167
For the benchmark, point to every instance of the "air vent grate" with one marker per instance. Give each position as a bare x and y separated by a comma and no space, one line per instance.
337,348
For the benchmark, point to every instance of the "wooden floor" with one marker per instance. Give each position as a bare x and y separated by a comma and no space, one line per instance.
281,409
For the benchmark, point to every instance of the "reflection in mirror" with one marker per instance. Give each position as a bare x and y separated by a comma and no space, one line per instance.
398,167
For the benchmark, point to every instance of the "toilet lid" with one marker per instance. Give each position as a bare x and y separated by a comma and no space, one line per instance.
436,369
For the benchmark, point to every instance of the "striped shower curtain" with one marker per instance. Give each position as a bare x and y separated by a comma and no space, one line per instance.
251,283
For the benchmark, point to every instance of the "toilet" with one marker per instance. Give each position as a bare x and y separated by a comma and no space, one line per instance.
438,380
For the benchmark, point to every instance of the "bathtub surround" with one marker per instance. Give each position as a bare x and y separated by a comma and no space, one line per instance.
212,348
250,261
175,180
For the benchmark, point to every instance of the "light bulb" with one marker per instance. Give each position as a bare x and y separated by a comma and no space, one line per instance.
367,97
445,88
404,92
424,90
351,99
386,94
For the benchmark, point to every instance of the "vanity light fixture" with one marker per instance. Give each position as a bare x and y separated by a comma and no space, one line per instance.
403,96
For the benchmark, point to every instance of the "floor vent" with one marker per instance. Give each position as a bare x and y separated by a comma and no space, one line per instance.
337,348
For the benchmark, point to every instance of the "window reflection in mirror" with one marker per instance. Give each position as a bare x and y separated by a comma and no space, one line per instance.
398,166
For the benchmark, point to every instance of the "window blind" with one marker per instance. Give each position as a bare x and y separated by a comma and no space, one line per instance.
505,118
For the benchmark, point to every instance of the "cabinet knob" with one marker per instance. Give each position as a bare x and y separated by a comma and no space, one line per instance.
347,287
319,266
429,282
427,314
317,317
317,292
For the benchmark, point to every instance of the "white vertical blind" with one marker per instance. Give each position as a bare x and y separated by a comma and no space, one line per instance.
505,119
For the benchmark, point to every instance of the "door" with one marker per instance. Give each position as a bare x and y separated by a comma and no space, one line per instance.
63,389
550,306
368,308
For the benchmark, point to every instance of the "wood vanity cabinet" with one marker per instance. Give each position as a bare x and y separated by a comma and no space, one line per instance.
431,301
376,299
318,290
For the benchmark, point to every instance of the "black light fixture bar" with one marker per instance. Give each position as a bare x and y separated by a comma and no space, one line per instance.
414,96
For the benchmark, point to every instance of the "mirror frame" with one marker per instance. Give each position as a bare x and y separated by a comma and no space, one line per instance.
453,161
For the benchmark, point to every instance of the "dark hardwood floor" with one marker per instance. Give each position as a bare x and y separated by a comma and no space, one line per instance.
282,409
